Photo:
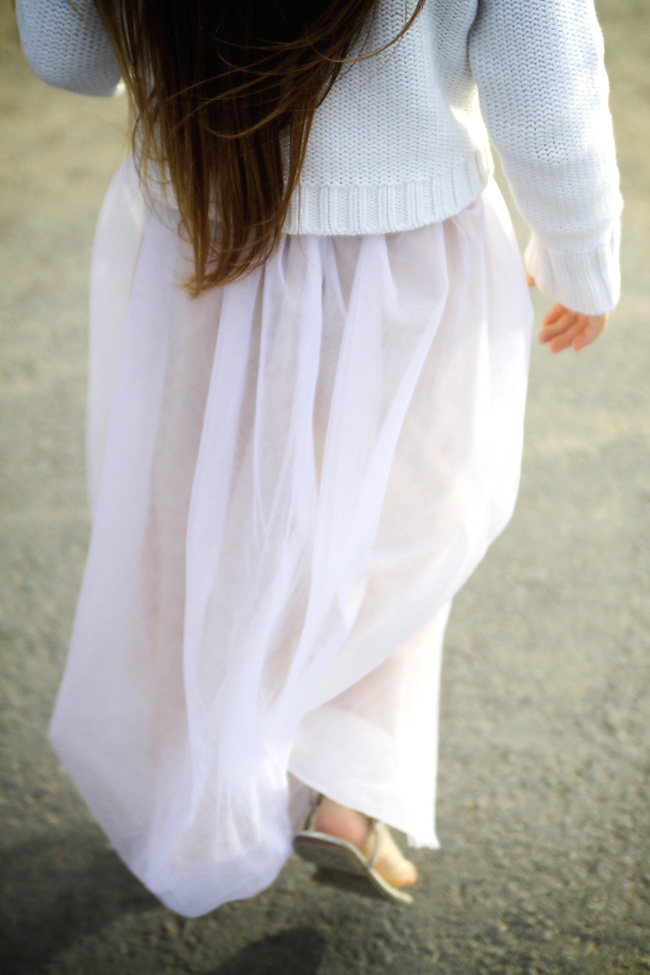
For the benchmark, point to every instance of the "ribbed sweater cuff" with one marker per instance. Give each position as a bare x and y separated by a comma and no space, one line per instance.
588,282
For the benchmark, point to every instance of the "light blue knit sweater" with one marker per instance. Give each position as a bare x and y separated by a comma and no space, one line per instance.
402,139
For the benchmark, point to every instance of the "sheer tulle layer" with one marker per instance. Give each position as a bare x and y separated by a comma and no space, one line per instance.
290,477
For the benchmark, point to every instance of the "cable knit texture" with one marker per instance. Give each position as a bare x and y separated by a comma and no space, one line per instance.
402,139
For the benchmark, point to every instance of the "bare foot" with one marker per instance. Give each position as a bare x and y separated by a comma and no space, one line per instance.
356,828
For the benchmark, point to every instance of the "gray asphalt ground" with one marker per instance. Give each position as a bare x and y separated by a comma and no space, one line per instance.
543,809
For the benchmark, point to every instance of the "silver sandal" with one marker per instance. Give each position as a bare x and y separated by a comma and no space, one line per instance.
331,853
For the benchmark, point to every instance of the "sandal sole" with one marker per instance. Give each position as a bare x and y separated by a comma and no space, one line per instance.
331,853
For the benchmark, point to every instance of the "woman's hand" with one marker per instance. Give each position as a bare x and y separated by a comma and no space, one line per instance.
562,327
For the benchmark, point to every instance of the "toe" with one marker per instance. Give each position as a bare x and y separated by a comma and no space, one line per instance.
407,875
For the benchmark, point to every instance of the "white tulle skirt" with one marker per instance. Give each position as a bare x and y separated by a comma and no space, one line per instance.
290,478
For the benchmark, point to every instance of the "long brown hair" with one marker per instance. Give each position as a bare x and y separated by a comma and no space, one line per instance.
212,86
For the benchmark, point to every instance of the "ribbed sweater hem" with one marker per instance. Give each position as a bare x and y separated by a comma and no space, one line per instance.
380,209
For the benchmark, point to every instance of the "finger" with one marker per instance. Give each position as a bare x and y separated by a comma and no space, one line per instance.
565,339
530,280
565,322
554,313
581,341
590,333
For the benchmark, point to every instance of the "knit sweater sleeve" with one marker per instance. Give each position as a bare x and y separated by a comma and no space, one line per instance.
66,45
543,92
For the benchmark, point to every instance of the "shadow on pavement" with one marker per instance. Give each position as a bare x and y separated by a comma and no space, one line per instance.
295,952
57,890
